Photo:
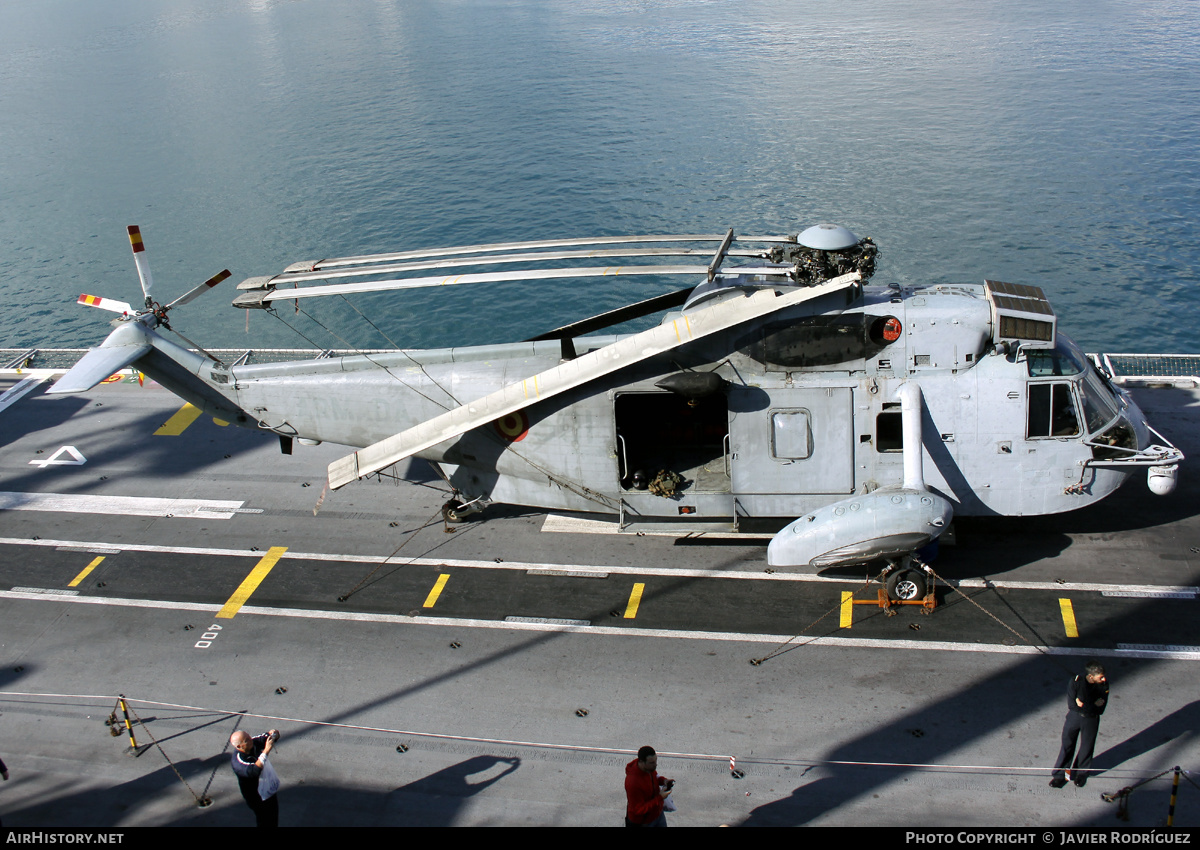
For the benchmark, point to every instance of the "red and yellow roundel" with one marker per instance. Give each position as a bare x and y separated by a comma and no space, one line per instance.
512,427
112,379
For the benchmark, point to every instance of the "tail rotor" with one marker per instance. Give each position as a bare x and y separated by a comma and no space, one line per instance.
146,279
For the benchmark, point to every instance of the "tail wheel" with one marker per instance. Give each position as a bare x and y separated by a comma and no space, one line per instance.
906,585
455,512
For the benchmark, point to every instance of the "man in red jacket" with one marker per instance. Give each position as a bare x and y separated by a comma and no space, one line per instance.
645,791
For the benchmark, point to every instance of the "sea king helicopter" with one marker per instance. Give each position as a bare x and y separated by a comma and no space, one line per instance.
777,385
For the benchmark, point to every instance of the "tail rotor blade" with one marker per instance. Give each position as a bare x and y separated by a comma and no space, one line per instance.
105,304
141,261
199,290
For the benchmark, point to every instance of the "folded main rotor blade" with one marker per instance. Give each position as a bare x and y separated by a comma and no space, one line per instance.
494,260
257,299
337,262
571,374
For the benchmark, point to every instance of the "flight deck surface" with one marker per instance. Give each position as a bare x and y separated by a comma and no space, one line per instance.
502,671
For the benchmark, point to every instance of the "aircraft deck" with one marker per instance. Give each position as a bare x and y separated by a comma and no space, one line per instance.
504,673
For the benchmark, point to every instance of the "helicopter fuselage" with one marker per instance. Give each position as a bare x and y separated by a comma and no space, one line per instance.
809,414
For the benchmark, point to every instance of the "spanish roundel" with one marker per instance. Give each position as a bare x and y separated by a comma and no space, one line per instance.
512,427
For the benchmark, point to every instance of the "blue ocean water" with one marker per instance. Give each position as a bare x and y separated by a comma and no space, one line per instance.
1046,143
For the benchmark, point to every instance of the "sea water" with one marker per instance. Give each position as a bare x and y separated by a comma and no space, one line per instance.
1054,144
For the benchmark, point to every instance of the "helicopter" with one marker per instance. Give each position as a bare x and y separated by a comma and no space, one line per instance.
778,384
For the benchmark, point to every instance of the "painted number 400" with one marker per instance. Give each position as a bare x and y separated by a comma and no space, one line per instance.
208,637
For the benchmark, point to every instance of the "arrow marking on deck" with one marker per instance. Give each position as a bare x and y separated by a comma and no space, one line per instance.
77,459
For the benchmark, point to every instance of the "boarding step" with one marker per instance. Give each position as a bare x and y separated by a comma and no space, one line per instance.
645,513
675,525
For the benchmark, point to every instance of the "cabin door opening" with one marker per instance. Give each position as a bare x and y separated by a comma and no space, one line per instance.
665,431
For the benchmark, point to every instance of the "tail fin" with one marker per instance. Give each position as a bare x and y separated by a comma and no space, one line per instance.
97,365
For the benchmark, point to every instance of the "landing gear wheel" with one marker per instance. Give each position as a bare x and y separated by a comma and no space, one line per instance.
455,512
906,585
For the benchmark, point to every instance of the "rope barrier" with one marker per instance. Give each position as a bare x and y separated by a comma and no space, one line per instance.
723,758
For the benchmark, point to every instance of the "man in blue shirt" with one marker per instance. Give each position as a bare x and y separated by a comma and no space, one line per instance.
249,759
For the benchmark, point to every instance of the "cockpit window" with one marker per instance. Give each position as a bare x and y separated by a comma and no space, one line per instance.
1099,406
1052,411
1110,444
1062,360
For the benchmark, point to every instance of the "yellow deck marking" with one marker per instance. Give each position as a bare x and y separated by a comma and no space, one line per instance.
635,599
847,616
1068,615
175,426
95,563
251,582
437,590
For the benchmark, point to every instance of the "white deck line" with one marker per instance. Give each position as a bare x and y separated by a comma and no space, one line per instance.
19,390
1169,653
119,505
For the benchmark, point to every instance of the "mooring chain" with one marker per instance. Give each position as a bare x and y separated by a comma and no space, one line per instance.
784,647
384,562
1039,647
200,801
779,650
1128,789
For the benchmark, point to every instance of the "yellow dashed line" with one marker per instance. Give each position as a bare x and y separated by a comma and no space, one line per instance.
437,590
175,426
635,599
1068,616
251,582
847,615
95,563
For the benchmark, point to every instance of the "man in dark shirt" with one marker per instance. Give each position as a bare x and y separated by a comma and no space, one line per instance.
249,759
1087,697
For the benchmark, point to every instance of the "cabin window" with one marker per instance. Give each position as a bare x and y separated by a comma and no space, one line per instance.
889,430
791,435
1052,411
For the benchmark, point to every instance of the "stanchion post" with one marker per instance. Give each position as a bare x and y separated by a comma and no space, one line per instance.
1174,794
128,725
